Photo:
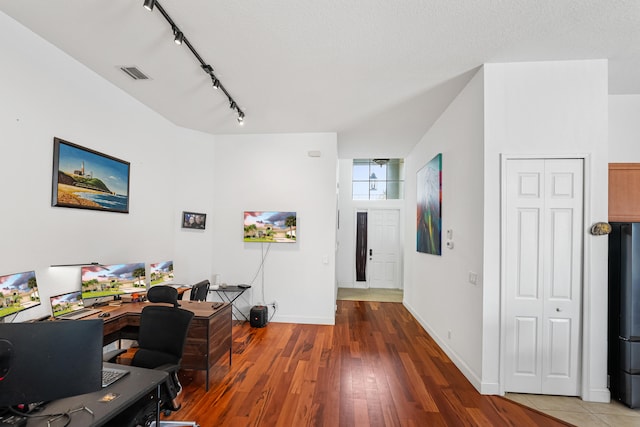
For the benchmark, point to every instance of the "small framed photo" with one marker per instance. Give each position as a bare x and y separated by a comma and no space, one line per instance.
194,220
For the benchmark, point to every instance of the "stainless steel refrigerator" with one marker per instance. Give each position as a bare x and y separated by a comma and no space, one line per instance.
624,313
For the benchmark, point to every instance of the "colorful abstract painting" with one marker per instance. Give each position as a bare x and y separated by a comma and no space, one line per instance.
429,204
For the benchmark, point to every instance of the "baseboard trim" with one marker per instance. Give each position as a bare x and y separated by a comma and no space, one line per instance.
304,320
460,364
598,395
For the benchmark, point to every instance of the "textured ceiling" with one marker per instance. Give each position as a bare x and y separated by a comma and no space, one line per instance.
377,72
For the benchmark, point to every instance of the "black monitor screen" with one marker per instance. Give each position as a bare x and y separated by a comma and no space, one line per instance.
44,361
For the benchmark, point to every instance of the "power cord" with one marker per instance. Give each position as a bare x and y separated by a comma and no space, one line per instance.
52,418
261,267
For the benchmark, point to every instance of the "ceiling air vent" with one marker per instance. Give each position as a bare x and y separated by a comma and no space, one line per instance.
134,73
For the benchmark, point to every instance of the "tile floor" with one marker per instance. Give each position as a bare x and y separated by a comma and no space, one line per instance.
582,414
370,294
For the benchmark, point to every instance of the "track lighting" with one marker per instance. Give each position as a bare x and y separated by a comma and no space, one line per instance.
179,38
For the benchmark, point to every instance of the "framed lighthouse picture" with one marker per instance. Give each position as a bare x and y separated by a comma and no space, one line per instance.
86,179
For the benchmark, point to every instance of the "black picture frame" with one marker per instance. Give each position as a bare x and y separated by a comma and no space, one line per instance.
87,179
194,220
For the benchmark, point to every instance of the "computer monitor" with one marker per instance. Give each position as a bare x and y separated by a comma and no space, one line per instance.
109,280
270,227
19,292
161,273
70,306
43,361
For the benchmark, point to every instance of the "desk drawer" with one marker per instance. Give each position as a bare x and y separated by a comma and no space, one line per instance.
195,348
220,335
208,340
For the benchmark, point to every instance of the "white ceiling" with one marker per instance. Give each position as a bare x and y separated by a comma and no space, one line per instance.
377,72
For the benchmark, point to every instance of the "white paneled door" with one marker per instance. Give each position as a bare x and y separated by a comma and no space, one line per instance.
383,265
543,275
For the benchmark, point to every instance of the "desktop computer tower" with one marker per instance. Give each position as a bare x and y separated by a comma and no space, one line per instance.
258,317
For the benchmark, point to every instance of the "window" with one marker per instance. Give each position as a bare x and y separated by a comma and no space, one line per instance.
378,179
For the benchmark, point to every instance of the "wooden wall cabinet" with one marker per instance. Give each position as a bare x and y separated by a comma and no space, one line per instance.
624,192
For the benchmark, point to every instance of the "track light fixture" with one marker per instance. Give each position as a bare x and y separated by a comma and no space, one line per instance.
209,70
179,38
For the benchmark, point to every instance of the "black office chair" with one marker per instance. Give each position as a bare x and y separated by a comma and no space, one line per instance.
161,338
199,291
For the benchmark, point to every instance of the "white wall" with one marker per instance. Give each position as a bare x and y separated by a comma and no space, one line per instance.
437,289
624,128
192,172
346,258
45,93
549,109
275,173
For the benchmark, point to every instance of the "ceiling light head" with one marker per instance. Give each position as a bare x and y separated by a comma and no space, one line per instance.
207,69
148,4
240,118
216,82
179,36
233,105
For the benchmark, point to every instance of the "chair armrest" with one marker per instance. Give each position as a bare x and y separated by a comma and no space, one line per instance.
110,356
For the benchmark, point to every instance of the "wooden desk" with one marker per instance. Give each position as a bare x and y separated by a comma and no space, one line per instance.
209,336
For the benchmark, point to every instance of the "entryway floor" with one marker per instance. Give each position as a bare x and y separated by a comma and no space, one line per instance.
371,294
580,413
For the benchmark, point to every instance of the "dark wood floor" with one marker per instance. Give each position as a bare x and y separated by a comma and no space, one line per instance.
375,367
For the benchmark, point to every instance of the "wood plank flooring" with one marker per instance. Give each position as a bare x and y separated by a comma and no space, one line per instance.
375,367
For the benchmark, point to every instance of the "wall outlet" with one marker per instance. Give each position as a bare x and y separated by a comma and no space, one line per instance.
274,304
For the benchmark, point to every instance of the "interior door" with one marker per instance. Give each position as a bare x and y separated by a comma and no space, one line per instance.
543,275
384,248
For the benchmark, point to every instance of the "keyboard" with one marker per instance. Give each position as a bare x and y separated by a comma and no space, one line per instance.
78,314
111,375
12,420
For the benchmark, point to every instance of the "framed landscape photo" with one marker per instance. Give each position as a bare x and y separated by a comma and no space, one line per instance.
194,220
86,179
